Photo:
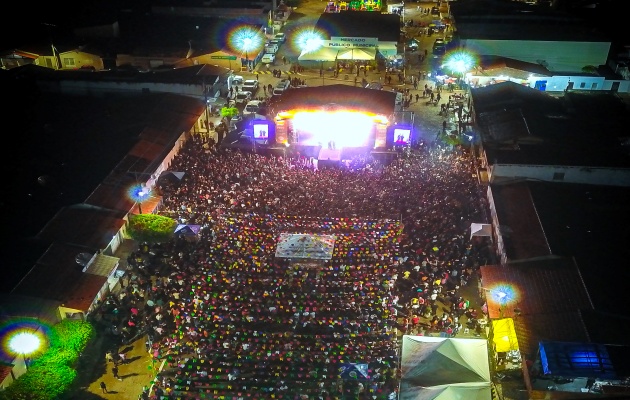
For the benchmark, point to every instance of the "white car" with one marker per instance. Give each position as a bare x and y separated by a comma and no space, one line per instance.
242,97
268,58
252,107
250,85
236,79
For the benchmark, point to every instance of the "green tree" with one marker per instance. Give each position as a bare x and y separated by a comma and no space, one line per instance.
53,373
229,112
151,228
589,69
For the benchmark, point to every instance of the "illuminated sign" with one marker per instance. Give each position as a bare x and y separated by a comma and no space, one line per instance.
355,40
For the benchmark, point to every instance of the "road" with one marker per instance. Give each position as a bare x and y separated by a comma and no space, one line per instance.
428,119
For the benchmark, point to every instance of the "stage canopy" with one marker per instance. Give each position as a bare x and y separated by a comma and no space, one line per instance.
504,335
444,368
301,245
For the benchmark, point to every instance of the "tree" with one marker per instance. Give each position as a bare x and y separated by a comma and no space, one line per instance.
151,228
589,69
52,374
229,112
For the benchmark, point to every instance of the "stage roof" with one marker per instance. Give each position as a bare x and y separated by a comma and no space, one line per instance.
342,96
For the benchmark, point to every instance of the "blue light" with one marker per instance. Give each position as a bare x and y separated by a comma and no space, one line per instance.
139,193
503,294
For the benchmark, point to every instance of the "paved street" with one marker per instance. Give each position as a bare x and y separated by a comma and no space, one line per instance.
428,120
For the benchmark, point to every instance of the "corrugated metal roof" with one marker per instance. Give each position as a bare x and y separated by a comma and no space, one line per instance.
549,295
102,265
82,225
523,235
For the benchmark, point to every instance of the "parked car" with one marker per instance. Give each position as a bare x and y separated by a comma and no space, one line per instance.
243,97
268,58
281,37
411,45
374,85
237,79
252,107
271,48
250,85
439,47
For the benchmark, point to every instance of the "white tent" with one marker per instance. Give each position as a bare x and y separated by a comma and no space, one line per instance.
435,368
321,54
361,54
480,230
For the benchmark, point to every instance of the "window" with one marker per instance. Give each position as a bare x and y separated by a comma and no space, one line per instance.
68,62
558,176
582,85
593,86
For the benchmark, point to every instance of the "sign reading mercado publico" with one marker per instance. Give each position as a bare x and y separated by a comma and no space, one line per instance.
350,42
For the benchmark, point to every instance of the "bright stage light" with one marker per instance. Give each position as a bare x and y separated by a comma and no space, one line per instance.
345,128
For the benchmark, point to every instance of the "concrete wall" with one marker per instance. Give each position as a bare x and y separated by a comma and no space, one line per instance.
572,174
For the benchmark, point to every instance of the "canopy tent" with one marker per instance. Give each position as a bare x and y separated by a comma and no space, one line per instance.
480,230
318,247
350,371
187,230
170,176
449,392
387,49
321,54
360,54
504,335
441,368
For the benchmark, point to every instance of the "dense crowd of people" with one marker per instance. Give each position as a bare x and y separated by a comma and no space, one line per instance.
230,320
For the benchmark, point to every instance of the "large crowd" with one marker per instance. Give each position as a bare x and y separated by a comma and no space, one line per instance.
230,320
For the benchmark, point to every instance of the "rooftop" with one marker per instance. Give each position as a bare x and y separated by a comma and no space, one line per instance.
587,223
67,147
549,295
521,125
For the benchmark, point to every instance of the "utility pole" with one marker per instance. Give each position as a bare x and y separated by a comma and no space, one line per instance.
52,45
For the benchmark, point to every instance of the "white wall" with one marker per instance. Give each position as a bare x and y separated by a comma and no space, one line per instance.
582,175
558,56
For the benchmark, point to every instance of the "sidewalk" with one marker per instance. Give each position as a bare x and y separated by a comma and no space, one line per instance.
137,372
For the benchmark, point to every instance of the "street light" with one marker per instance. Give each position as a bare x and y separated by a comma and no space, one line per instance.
308,41
247,43
24,343
246,39
502,295
139,194
460,62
